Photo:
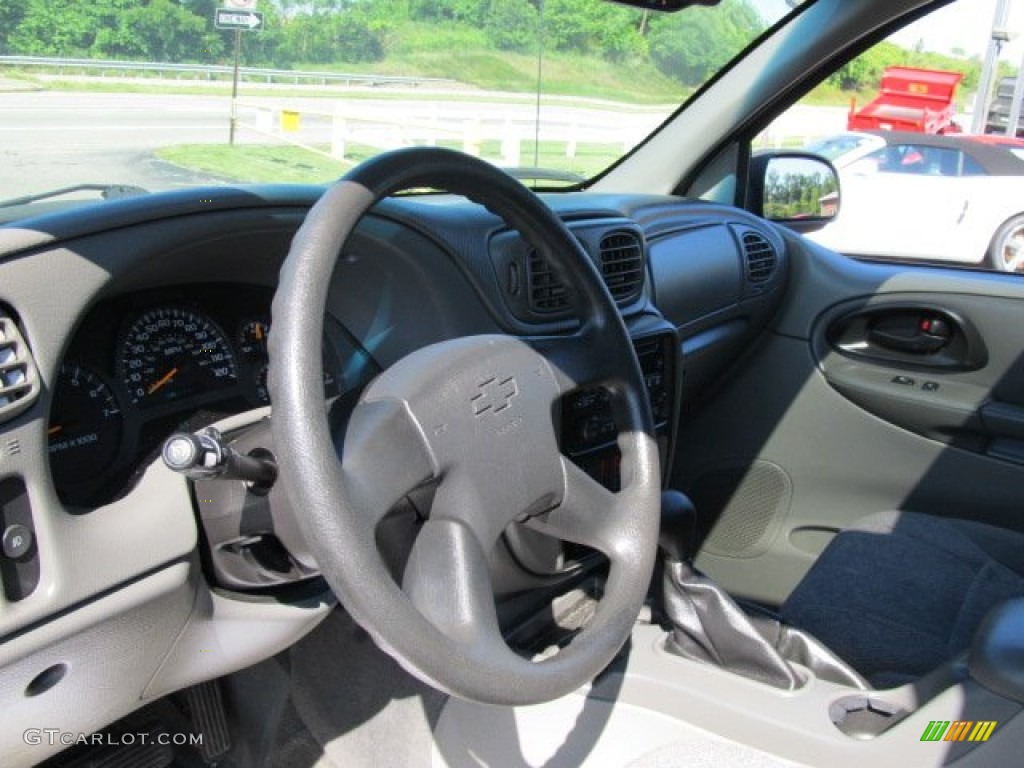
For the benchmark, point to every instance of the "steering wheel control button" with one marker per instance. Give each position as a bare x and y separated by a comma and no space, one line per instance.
930,386
17,541
904,381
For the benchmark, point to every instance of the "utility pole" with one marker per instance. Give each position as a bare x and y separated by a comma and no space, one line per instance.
234,88
540,82
995,45
1018,93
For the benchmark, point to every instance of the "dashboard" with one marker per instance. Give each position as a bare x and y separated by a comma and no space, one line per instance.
159,322
152,362
162,320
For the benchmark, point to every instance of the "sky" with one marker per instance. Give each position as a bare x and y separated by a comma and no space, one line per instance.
967,24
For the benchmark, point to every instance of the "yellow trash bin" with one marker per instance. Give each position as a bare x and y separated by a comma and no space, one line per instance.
290,122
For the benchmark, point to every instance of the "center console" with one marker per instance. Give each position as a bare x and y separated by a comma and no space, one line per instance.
588,431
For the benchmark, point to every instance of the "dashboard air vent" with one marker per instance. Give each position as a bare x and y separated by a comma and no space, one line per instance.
622,264
19,383
760,256
547,294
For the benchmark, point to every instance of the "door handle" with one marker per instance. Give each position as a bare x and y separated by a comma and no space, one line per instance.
915,333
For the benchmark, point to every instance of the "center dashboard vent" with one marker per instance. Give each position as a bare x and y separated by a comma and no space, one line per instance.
547,294
621,262
19,383
760,256
622,265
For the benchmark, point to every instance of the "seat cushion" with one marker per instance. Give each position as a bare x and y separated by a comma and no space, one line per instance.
899,593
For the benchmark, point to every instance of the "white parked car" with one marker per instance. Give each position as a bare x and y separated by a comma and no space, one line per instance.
919,196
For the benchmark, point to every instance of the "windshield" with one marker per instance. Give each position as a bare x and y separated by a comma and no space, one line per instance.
104,96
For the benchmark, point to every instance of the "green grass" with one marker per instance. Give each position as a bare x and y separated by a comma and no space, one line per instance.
631,82
247,163
285,163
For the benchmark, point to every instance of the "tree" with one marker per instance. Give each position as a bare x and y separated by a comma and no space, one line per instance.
159,30
512,25
11,14
691,46
583,26
352,36
63,27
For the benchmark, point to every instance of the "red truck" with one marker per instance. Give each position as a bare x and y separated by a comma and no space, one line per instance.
910,99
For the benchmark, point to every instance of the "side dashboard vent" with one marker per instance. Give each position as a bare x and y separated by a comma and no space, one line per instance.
547,294
19,382
622,264
760,257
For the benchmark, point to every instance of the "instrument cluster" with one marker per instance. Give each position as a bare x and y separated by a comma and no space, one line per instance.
144,365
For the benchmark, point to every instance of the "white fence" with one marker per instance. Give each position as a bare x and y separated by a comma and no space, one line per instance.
318,126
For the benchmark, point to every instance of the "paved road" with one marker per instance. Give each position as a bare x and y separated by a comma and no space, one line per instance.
53,139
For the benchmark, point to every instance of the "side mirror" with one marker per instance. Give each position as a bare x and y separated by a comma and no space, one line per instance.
798,189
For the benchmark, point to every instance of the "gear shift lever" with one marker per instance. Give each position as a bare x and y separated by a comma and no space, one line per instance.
678,537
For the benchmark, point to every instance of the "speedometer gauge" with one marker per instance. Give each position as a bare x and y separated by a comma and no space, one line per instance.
170,353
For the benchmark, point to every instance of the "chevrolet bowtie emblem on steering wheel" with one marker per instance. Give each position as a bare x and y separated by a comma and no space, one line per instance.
494,395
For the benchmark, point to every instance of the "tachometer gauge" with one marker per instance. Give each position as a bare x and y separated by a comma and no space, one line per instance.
170,354
84,433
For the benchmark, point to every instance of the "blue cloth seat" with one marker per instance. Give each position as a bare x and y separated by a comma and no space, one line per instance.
900,593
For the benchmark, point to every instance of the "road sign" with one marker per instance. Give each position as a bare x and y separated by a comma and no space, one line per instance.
227,18
240,4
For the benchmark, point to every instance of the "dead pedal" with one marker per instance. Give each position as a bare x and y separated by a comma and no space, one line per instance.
206,711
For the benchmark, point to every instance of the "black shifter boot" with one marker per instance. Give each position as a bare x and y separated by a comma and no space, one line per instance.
708,625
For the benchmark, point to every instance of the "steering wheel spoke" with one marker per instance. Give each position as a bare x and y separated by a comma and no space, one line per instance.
448,581
384,456
589,514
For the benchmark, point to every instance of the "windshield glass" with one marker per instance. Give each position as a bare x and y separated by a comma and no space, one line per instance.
116,97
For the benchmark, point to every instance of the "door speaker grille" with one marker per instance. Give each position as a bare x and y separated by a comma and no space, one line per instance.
747,504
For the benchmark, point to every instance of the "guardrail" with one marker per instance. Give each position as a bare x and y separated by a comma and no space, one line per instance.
207,71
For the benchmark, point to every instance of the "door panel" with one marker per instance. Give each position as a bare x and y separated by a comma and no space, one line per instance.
805,437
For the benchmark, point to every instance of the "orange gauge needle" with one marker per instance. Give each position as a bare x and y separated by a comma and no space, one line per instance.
259,332
55,429
163,380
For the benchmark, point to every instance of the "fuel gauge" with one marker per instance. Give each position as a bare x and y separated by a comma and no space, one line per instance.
253,339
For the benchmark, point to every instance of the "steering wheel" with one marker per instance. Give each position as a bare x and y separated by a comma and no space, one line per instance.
477,416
